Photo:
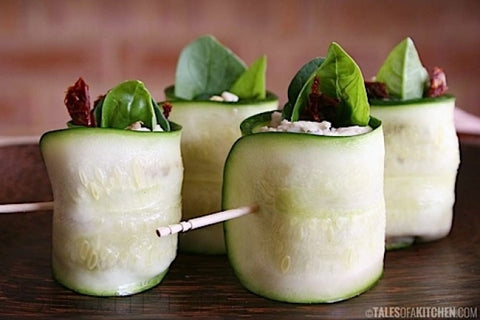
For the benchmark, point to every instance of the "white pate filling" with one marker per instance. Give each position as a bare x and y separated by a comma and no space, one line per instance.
138,126
225,97
323,128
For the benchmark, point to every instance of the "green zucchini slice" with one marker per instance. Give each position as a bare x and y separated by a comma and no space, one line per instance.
421,162
209,130
111,189
319,233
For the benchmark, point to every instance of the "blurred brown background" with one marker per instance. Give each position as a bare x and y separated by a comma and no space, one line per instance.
45,45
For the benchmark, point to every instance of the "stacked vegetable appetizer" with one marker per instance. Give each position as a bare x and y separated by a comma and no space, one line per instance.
214,91
421,145
116,174
316,173
329,188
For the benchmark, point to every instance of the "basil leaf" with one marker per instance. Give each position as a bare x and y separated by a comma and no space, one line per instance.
301,77
287,111
97,111
251,83
403,72
302,98
299,89
127,103
206,67
341,78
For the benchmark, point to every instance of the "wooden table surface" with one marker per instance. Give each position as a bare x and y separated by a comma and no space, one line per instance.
444,273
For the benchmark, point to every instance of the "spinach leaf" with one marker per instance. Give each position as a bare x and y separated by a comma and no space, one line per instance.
127,103
206,67
341,78
252,83
403,72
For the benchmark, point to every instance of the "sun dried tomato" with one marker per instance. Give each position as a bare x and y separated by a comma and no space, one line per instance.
376,90
438,83
316,85
167,108
77,101
319,106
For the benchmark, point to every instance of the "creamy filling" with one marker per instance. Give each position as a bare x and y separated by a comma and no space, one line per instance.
138,126
323,128
225,97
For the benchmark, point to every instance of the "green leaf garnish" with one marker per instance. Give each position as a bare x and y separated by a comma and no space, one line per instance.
338,77
252,83
403,72
97,110
298,83
205,68
302,98
302,76
127,103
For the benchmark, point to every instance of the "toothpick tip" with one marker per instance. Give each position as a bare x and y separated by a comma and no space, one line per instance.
163,231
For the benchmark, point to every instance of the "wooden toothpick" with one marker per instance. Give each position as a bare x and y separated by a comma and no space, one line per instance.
206,220
18,140
183,226
26,207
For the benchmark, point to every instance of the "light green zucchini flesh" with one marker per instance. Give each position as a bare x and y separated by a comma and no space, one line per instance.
421,162
112,188
319,233
209,130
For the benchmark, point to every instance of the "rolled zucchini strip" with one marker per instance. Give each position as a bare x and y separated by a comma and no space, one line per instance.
209,130
111,189
421,162
319,233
